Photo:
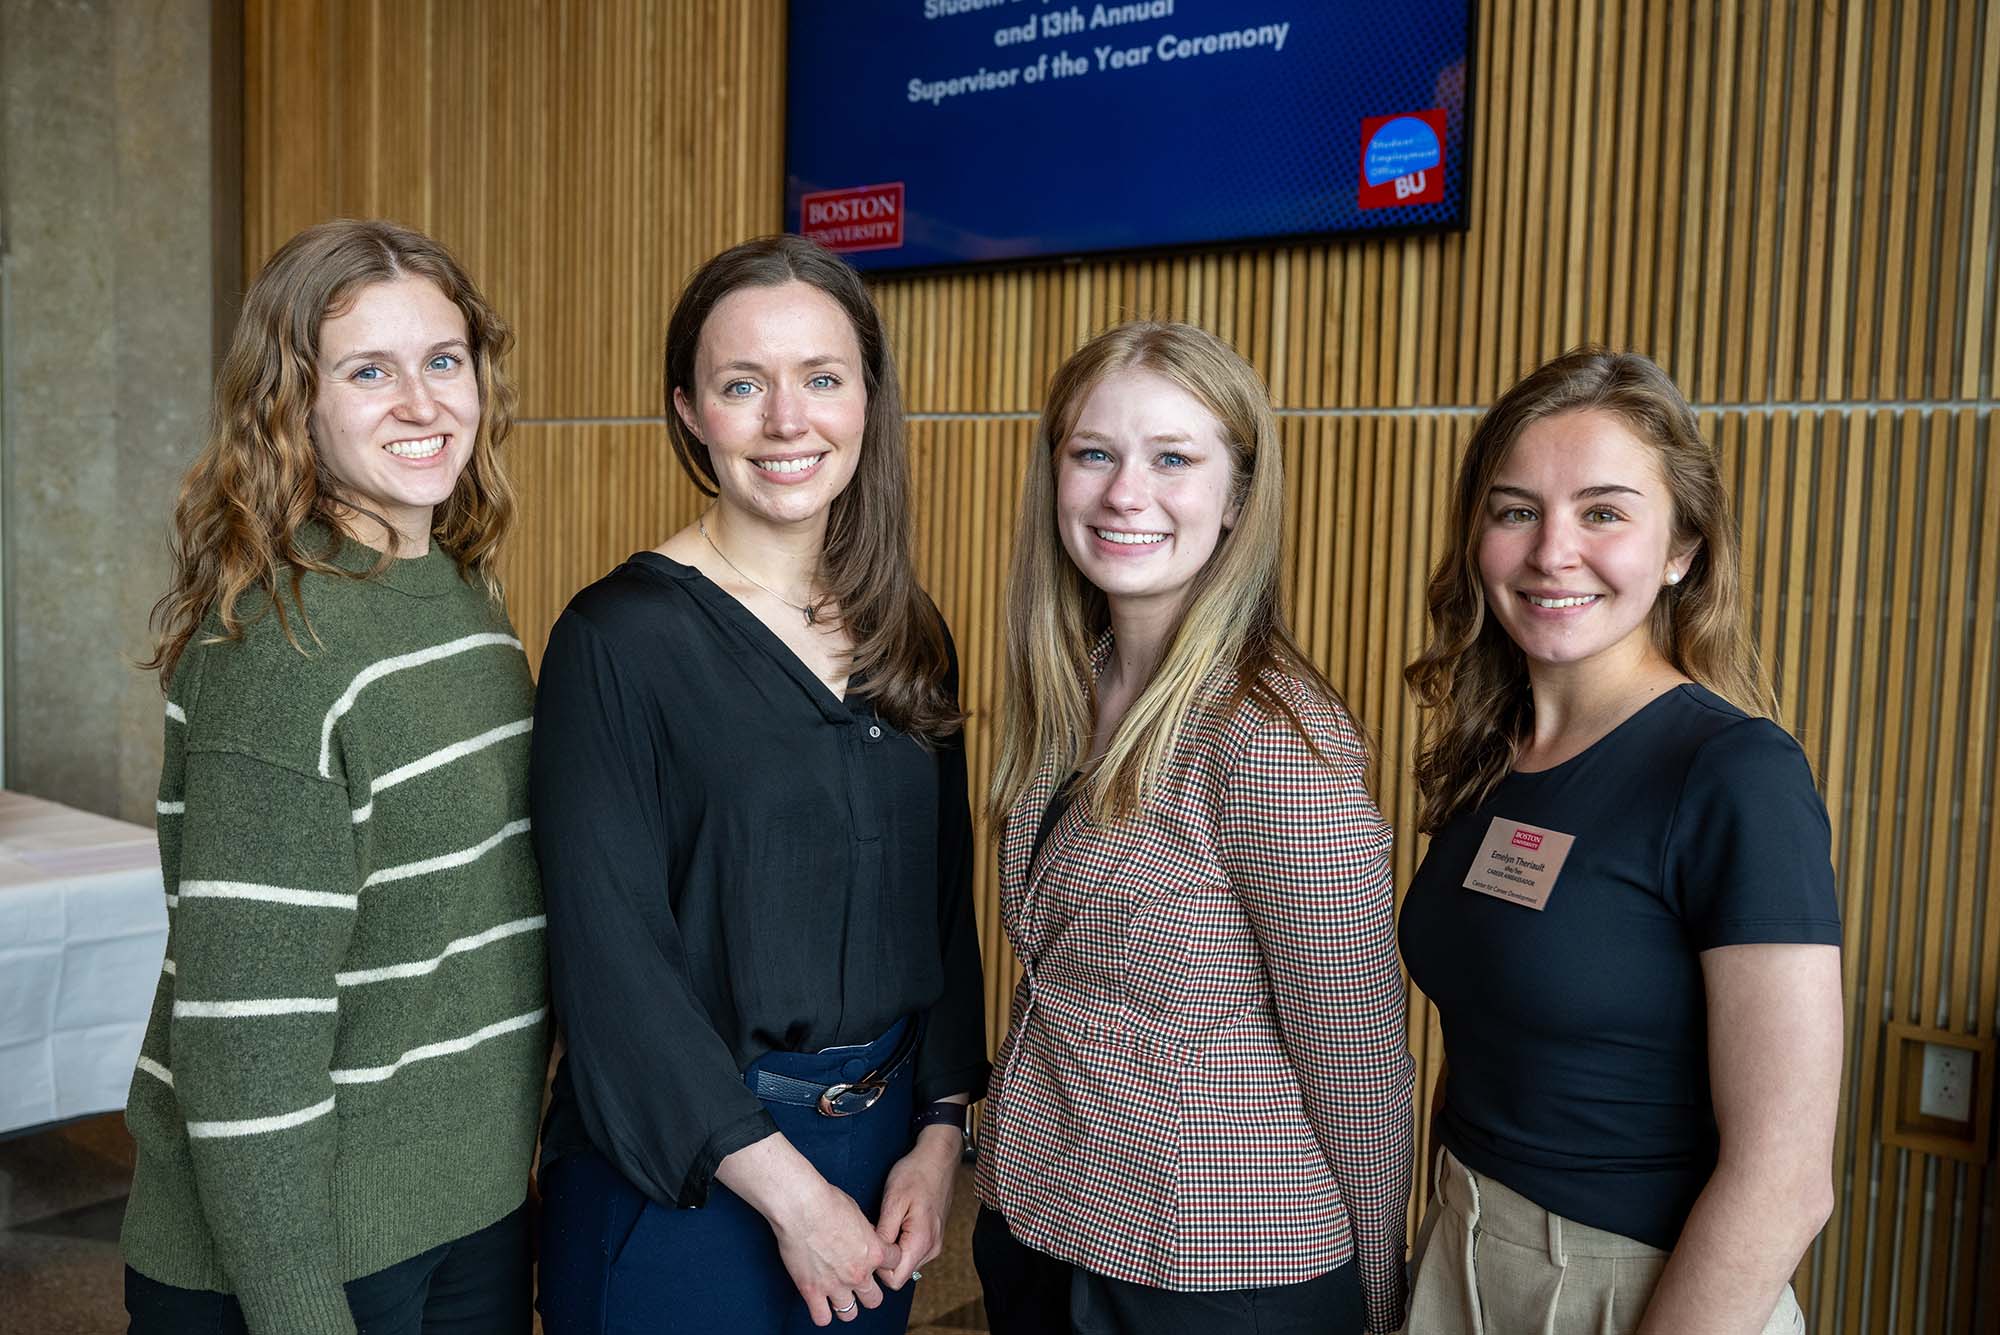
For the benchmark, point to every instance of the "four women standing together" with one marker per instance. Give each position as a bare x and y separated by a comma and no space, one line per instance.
746,792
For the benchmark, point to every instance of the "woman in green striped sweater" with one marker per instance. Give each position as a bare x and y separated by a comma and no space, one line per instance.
335,1105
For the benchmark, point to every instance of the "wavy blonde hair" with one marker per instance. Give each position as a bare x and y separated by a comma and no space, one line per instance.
1055,617
245,503
1471,677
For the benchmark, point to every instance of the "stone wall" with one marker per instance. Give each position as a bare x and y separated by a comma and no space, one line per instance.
120,171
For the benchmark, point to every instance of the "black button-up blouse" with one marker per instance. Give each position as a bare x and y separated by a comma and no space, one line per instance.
735,862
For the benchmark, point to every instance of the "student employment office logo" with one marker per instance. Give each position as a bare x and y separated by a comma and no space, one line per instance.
1402,159
861,217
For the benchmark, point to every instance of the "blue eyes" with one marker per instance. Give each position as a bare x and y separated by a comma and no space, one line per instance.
1168,459
743,389
444,363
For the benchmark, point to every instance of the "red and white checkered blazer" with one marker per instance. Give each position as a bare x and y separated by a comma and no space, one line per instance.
1205,1082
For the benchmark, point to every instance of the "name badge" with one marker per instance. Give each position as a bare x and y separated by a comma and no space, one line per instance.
1519,863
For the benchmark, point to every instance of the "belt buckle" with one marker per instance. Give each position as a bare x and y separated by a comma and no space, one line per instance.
858,1096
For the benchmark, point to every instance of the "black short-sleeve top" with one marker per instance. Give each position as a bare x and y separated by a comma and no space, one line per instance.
1576,1035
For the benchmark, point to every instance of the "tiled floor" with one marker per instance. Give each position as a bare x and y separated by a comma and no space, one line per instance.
62,1195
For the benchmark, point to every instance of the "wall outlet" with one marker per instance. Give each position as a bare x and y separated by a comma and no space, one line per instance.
1947,1087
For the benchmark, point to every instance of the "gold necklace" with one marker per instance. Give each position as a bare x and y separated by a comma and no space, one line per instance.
701,525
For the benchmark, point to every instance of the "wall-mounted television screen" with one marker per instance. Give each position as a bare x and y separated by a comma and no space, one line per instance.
931,133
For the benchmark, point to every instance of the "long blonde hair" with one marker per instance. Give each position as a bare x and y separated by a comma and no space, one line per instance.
1473,679
245,503
1056,617
901,651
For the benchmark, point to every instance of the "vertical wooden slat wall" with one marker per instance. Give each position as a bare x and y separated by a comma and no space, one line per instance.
1794,206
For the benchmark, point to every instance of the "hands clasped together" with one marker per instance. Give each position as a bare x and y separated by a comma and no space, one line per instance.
840,1262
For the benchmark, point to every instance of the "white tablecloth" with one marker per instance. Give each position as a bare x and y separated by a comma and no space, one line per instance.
83,932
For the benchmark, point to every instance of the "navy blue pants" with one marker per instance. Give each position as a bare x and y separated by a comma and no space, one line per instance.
478,1285
1031,1293
615,1262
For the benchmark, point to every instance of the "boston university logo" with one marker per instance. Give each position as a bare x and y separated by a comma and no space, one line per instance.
862,217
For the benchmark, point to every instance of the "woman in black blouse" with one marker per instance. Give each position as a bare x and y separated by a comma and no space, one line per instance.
750,810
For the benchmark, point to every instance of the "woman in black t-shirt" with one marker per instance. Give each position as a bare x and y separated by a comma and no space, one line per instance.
748,787
1626,918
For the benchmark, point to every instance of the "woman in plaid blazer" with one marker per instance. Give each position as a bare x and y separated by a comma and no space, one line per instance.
1200,1118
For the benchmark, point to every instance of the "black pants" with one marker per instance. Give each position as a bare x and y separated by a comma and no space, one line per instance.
479,1285
1029,1293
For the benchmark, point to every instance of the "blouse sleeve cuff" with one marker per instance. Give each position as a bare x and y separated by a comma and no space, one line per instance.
970,1079
721,1144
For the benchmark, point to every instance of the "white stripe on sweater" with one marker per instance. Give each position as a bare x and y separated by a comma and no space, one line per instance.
273,894
170,808
417,968
374,672
176,713
368,1075
425,764
254,1126
249,1127
239,1010
167,967
446,860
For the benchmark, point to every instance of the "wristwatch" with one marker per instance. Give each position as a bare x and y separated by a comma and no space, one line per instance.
945,1114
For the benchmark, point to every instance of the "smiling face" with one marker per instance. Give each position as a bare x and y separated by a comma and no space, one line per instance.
1143,491
1577,542
398,407
780,400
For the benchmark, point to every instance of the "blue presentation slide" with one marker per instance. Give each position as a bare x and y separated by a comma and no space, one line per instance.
929,133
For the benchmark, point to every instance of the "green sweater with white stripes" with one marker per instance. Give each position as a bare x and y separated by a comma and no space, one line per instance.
346,1054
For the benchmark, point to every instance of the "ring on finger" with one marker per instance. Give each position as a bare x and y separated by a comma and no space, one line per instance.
852,1303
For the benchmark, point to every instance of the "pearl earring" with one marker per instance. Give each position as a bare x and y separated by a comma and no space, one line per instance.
1673,577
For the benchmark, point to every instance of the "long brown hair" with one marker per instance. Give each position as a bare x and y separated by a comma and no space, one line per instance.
1473,679
901,652
1056,617
245,503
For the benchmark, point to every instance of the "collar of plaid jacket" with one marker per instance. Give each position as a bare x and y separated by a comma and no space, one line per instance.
1022,866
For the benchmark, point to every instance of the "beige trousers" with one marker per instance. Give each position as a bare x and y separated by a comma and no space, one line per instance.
1491,1262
